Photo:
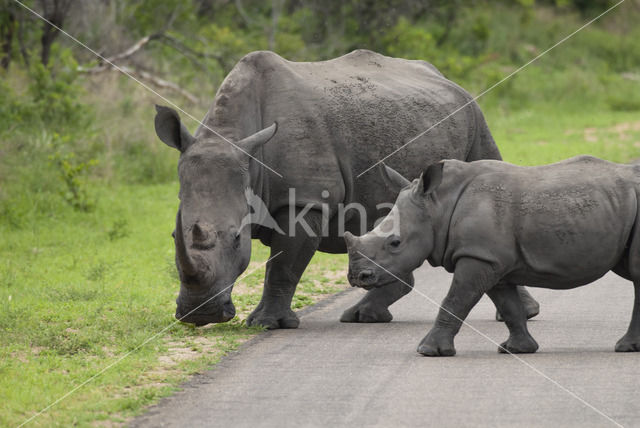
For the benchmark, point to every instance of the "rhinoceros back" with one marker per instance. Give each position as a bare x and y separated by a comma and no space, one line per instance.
339,117
563,224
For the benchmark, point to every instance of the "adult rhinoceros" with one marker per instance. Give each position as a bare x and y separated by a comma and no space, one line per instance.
335,119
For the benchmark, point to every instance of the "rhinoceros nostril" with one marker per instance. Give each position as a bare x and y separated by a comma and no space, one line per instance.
199,234
366,276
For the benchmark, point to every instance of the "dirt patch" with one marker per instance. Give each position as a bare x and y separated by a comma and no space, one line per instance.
170,365
623,129
338,278
107,424
589,135
191,349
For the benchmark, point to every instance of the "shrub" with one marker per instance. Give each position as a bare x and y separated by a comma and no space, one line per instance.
73,172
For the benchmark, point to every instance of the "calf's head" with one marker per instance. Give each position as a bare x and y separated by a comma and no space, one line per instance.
401,241
212,246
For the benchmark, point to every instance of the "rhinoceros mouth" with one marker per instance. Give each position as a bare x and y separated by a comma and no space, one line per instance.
217,314
377,284
200,319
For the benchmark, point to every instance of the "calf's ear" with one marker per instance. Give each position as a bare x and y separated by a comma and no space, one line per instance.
430,179
170,129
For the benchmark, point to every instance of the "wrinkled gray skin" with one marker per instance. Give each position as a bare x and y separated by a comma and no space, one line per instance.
494,225
334,120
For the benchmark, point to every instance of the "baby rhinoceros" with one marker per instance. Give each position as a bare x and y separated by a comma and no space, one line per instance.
495,225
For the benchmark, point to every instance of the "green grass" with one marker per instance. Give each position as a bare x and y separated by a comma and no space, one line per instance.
535,137
544,115
80,290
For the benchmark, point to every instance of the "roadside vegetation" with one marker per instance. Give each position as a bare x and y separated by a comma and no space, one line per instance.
88,194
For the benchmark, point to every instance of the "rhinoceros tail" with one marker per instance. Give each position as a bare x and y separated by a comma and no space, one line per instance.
483,145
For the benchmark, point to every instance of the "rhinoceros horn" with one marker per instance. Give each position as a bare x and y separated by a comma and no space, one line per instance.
253,142
185,262
350,239
393,178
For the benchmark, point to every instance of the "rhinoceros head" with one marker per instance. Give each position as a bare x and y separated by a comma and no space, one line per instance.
213,246
401,241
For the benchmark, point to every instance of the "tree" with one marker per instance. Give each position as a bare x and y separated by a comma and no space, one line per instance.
54,11
7,31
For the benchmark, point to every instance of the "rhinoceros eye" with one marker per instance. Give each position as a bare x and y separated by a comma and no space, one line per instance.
393,243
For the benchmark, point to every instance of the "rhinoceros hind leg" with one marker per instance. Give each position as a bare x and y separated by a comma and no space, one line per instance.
366,313
531,305
630,342
519,345
373,307
508,301
437,344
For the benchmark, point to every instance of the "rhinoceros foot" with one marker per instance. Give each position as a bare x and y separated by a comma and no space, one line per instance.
436,344
366,312
628,344
531,306
271,321
519,345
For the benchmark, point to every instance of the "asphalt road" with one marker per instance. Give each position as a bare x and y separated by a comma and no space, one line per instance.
329,374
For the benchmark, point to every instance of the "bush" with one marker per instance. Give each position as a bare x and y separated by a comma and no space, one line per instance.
73,172
48,142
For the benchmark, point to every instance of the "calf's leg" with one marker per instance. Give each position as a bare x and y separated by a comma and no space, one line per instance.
472,278
630,342
507,300
373,307
531,306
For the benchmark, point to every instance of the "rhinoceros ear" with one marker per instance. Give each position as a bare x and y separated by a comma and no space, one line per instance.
253,142
170,129
393,178
430,179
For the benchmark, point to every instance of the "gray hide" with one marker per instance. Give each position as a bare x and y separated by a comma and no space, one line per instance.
494,225
334,120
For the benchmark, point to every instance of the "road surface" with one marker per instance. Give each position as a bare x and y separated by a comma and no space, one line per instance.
330,374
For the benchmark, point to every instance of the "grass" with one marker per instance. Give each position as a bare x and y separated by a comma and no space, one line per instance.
531,137
80,290
546,115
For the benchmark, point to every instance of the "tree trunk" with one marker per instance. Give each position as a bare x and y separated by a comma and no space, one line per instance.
7,28
21,42
54,11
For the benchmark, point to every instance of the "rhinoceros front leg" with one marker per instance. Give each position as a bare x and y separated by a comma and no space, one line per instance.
471,279
373,307
531,306
630,342
509,303
291,253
